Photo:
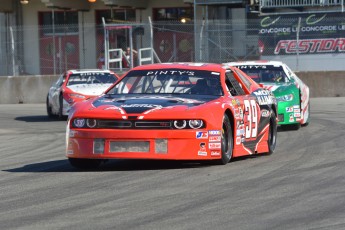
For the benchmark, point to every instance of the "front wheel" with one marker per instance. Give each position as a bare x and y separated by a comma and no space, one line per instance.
227,142
87,164
272,135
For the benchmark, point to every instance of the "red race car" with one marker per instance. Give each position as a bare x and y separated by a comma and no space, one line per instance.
174,111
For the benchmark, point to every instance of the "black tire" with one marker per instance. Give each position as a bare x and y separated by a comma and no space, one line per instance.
49,109
227,142
272,135
60,113
88,164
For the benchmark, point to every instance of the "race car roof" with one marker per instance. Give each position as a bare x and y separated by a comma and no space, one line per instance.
185,65
255,62
76,71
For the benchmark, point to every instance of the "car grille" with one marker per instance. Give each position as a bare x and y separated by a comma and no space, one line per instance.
281,117
134,124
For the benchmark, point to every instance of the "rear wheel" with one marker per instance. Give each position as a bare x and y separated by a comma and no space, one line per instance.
85,163
49,109
226,141
60,114
272,135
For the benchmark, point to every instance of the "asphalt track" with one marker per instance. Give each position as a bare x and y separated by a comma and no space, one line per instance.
300,186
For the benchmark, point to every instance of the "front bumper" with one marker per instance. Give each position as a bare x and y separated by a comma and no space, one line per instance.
143,144
288,113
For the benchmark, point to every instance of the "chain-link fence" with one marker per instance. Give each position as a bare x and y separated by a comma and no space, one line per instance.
305,42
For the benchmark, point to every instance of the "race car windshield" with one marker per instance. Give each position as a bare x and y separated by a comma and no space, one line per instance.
169,81
265,74
91,78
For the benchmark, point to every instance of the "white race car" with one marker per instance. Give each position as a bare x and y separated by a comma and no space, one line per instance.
77,85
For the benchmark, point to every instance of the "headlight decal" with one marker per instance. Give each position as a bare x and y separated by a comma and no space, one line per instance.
288,97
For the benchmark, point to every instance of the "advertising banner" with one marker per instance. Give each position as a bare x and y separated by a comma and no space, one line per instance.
318,33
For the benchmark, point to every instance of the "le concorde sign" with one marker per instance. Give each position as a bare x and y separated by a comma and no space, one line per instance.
319,33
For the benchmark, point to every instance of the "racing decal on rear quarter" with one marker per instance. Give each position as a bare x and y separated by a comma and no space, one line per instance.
238,140
251,126
265,113
264,97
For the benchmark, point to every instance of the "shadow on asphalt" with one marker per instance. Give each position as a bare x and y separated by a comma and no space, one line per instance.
38,119
119,165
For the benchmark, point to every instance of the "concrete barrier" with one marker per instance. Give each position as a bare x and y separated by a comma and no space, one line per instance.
34,89
25,89
324,84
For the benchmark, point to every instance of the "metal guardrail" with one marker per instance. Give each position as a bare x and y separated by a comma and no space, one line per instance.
217,2
301,3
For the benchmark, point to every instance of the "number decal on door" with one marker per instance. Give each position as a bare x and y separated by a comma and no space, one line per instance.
252,123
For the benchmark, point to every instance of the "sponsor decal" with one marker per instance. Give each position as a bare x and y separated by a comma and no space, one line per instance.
202,151
262,93
240,132
289,109
265,113
265,100
141,106
201,135
215,139
237,113
216,145
296,110
297,114
215,153
296,106
252,66
238,140
233,102
214,132
264,97
171,72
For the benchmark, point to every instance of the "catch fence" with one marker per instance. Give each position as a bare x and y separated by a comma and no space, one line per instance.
306,42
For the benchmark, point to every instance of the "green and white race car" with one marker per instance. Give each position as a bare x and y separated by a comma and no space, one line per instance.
291,92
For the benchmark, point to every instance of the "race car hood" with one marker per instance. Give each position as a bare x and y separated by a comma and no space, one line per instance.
280,89
89,89
143,104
